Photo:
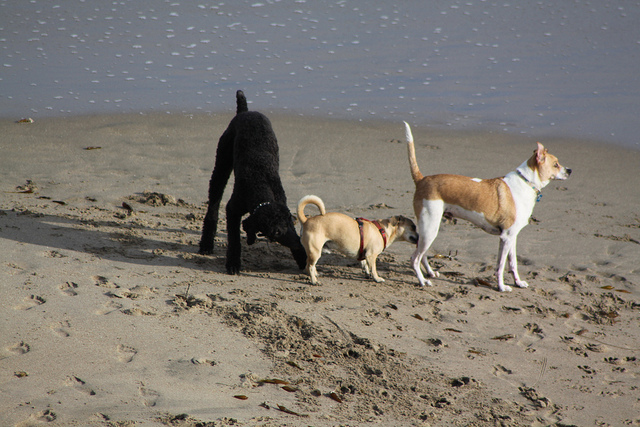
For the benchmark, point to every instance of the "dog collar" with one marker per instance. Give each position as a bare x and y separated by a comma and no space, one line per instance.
259,206
361,254
531,184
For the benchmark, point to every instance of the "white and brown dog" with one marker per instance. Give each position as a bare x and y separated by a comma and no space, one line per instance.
358,238
500,206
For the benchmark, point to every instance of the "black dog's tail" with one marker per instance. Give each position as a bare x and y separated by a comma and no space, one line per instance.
241,102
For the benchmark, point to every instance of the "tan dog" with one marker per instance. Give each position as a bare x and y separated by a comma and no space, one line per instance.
500,206
357,238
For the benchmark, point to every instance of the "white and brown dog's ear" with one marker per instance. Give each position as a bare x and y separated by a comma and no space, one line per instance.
541,153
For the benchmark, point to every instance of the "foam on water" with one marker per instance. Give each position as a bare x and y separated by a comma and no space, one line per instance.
541,68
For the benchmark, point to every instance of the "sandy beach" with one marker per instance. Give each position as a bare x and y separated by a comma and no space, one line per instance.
110,317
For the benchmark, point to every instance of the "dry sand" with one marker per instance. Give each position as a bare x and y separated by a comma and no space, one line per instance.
108,316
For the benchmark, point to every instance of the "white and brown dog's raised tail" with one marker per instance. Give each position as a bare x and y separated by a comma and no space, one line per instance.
411,149
309,200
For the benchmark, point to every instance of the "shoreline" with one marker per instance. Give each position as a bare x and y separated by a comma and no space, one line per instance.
431,126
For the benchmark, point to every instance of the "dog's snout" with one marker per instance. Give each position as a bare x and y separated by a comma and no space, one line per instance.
563,173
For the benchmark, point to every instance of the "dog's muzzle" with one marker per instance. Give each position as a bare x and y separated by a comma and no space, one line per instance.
564,174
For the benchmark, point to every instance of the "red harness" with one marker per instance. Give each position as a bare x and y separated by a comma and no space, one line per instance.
361,254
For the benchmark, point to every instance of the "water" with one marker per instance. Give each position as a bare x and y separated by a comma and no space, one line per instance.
539,68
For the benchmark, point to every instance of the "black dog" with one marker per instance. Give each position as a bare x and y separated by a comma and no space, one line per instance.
249,148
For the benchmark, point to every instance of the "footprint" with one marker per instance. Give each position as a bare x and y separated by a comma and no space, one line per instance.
141,290
19,348
45,416
533,335
202,361
54,254
150,397
30,302
125,353
80,385
505,374
137,312
538,400
60,329
69,288
100,419
500,370
108,308
103,282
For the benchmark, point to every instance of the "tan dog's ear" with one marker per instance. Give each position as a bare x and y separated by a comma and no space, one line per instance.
401,219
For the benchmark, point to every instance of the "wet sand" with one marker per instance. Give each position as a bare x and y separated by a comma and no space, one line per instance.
110,317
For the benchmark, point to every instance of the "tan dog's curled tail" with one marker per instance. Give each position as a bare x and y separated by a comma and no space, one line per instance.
309,200
413,162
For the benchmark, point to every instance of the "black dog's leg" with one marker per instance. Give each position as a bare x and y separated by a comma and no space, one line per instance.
210,225
234,247
219,178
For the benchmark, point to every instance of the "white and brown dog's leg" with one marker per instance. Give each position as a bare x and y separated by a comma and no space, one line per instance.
416,259
428,227
513,265
508,250
503,253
